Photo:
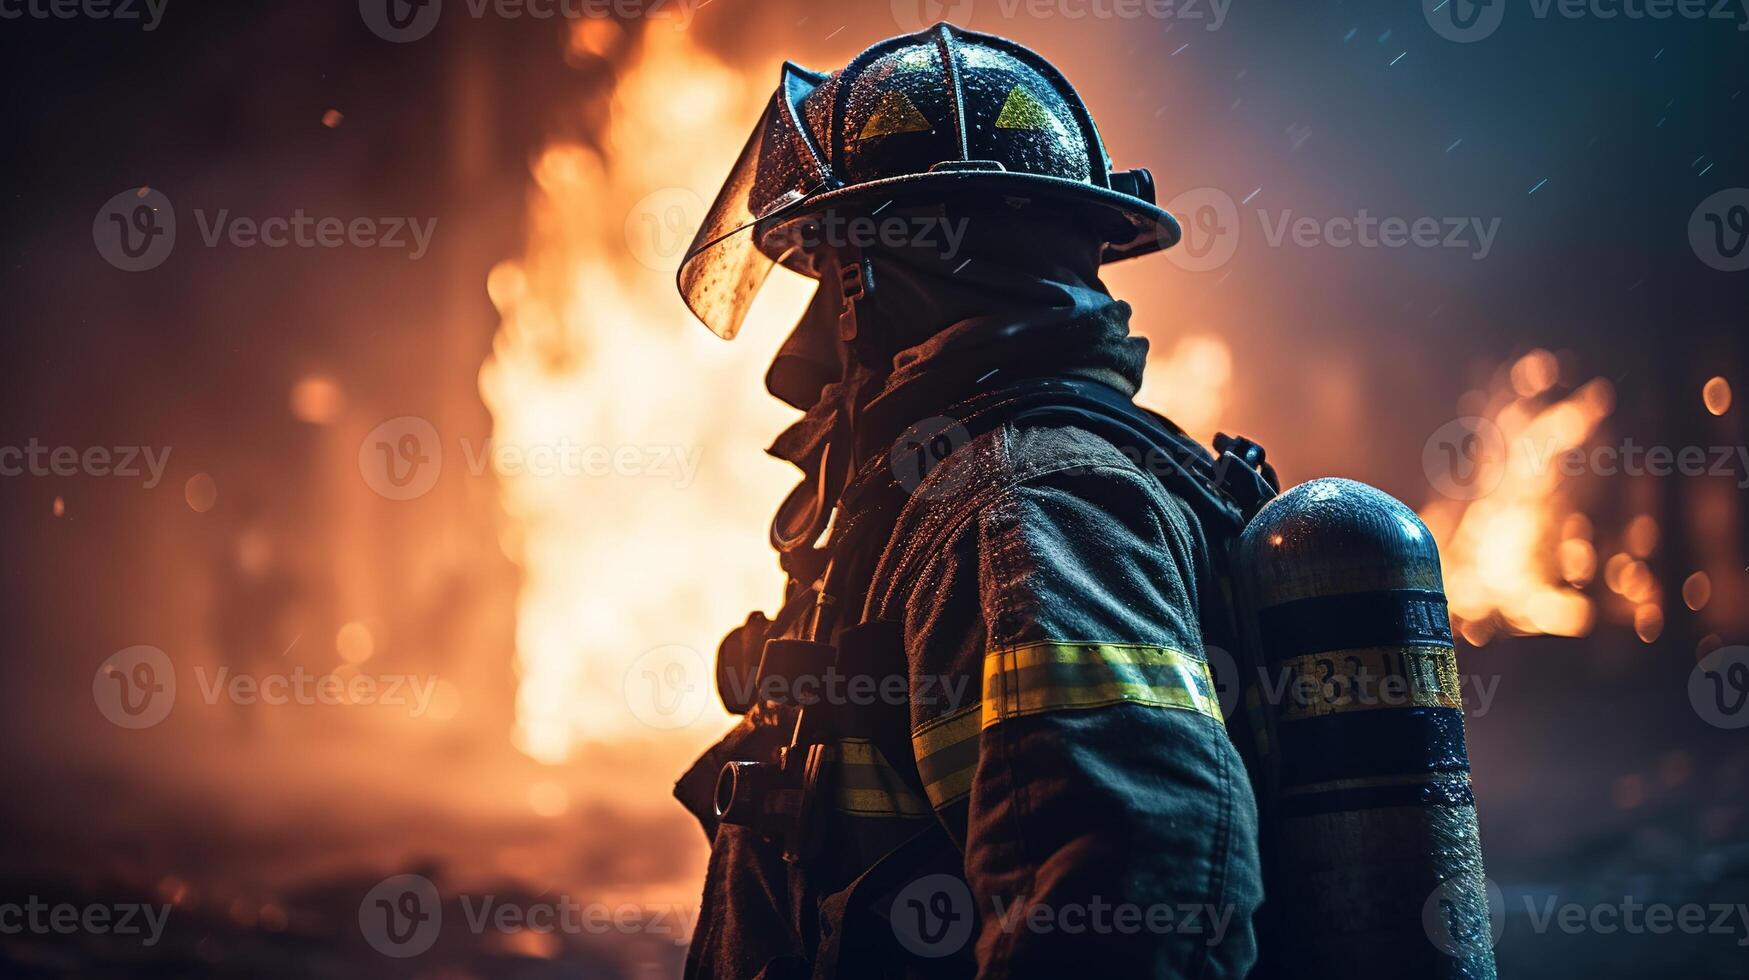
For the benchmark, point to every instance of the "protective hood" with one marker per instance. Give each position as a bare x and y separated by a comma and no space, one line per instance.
1013,266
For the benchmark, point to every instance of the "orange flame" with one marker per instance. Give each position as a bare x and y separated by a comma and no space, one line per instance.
1189,383
596,352
1516,556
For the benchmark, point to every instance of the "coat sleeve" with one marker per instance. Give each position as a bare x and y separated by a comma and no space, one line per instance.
1105,817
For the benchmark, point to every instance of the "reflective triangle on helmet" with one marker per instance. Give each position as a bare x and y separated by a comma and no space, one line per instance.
1023,110
895,114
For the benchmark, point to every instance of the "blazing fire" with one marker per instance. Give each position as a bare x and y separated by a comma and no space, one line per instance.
596,352
1518,555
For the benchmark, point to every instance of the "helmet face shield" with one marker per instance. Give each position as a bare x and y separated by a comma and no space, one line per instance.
777,171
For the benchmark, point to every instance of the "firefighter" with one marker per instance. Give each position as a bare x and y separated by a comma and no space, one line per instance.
981,737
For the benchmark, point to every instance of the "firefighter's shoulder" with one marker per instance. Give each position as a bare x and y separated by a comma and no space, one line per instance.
984,467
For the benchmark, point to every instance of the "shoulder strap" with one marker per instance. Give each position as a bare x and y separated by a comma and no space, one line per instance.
1224,491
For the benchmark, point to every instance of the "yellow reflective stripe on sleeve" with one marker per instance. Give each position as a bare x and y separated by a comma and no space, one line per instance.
868,786
1040,677
947,754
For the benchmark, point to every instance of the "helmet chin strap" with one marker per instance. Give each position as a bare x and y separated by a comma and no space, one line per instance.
856,285
866,348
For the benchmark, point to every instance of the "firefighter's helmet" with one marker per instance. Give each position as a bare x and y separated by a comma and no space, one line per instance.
944,114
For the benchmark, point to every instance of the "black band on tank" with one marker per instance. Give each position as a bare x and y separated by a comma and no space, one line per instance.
1446,793
1361,744
1390,618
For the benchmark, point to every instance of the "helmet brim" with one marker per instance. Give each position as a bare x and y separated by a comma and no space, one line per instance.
1132,227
